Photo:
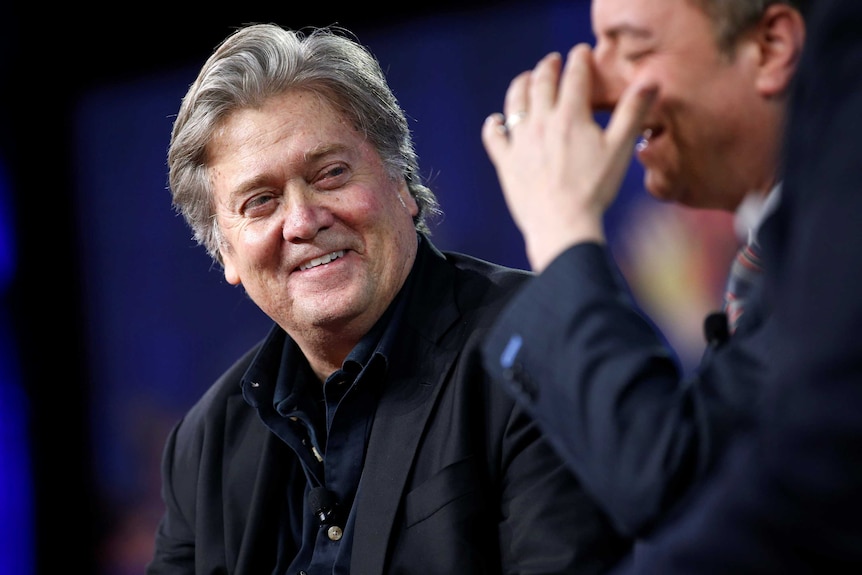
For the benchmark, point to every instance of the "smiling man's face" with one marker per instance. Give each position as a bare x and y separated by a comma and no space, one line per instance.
700,144
317,232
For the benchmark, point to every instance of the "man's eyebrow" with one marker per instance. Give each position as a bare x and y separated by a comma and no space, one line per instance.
324,150
626,29
261,180
245,186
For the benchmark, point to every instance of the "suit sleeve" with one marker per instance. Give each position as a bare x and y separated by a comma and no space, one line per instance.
174,552
577,352
549,523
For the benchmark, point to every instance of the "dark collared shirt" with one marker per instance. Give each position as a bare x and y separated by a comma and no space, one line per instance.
327,426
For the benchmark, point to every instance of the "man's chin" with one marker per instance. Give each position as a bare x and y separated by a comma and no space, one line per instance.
330,317
659,187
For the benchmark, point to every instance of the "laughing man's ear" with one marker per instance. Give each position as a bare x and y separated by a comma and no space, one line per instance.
780,35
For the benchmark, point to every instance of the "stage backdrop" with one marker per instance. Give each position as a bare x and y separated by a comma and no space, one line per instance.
163,323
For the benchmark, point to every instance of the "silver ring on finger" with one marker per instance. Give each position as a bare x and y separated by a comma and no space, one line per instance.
513,120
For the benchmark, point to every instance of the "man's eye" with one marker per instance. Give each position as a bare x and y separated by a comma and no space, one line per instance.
636,56
332,177
258,205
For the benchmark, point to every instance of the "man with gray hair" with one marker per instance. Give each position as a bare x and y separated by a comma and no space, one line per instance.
361,435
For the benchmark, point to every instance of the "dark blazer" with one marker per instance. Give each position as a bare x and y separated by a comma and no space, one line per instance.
788,499
575,349
457,479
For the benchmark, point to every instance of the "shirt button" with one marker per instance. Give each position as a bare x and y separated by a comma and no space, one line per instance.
334,533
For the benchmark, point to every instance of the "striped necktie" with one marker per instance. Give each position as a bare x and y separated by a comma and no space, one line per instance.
745,272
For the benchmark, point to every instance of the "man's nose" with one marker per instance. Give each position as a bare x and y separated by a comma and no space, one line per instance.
303,216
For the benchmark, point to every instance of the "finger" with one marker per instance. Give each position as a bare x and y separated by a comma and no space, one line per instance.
494,136
543,84
576,86
517,96
627,120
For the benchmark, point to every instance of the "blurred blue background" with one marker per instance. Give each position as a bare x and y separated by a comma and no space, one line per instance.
115,321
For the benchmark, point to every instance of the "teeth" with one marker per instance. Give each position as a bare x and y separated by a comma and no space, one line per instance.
322,260
643,142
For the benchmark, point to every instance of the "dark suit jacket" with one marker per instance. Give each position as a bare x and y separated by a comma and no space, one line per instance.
457,479
788,499
574,348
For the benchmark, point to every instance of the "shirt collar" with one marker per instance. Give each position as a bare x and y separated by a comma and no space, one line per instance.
752,211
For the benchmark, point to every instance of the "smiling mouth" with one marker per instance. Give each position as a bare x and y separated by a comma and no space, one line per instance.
643,142
647,136
321,260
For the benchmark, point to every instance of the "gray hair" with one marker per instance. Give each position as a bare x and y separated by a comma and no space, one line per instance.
260,61
732,18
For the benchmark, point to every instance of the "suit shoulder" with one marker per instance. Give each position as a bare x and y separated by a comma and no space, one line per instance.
477,269
483,288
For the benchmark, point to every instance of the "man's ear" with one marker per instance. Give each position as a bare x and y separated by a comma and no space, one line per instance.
407,199
231,274
780,35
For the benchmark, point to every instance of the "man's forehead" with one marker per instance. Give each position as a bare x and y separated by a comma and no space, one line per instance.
637,18
310,127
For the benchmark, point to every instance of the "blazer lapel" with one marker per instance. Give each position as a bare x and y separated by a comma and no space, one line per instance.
259,481
419,367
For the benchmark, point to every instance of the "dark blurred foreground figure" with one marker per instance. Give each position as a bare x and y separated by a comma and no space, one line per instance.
783,497
787,499
360,436
706,85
